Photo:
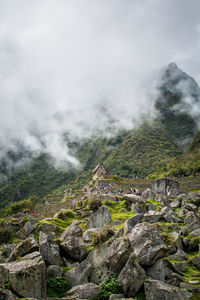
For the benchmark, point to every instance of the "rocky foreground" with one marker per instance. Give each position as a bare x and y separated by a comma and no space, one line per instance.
148,243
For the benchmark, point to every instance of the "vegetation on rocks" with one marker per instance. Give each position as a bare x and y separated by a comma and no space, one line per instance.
57,287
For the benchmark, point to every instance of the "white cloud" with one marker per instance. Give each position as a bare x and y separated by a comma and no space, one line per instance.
65,58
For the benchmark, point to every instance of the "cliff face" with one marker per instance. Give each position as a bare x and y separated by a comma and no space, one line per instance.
141,244
178,103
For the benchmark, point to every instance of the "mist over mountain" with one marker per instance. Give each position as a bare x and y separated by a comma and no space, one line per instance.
178,103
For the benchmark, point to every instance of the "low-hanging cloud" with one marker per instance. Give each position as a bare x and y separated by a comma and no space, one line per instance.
77,66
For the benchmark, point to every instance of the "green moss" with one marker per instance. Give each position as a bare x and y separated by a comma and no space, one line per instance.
118,210
65,269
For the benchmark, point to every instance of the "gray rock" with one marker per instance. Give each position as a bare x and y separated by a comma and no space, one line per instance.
25,231
152,216
72,242
158,270
148,243
137,208
196,233
85,291
175,204
48,228
54,271
165,186
79,274
132,277
162,199
50,252
179,255
116,296
27,277
155,289
100,218
131,222
134,198
196,262
190,218
191,207
148,194
89,234
6,295
108,257
29,245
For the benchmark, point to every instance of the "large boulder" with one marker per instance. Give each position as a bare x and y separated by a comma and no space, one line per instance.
108,257
131,277
54,271
72,243
100,218
155,289
50,252
27,277
25,231
152,216
165,186
78,274
131,222
148,194
158,270
149,242
27,246
85,291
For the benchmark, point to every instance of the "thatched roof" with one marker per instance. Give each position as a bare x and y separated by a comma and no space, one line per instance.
96,168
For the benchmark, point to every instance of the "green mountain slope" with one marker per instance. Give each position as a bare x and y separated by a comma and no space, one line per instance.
185,165
145,149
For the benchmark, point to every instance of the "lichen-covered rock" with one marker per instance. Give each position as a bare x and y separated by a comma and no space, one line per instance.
131,222
196,261
148,194
85,291
25,231
152,216
100,218
89,234
132,277
50,252
158,270
78,274
148,243
49,229
155,289
27,277
72,243
108,258
6,295
54,271
29,245
165,186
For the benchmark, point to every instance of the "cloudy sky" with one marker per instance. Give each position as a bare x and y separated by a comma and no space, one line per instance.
63,60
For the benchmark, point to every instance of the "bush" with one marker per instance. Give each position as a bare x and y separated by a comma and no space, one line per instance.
5,236
94,204
108,287
64,214
57,287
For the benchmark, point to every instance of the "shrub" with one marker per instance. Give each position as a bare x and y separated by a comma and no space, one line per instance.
108,287
5,236
57,287
94,204
64,214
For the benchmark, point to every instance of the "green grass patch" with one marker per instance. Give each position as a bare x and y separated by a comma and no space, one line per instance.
117,210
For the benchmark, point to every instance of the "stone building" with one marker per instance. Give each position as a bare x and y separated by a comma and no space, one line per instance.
99,172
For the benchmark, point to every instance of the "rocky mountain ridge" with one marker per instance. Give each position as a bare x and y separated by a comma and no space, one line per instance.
138,246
